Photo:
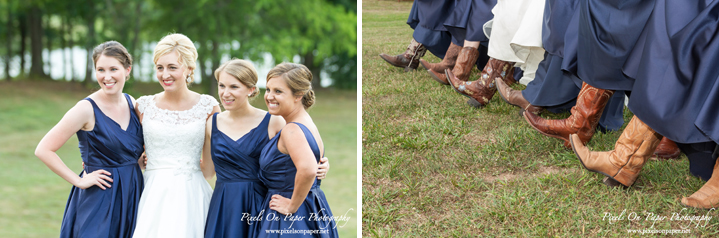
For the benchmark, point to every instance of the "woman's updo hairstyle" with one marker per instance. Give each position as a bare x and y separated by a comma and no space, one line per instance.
242,70
298,78
186,52
112,49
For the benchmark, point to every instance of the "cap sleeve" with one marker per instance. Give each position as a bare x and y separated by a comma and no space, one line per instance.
142,103
209,102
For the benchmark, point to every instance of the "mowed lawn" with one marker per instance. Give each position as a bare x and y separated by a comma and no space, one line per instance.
434,166
32,198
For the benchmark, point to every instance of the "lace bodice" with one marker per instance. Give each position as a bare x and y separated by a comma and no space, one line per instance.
174,139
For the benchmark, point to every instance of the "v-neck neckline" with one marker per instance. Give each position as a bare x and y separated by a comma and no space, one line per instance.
243,136
238,139
113,120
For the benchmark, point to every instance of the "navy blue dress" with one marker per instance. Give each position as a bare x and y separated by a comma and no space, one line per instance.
556,84
674,72
277,172
608,32
238,193
466,22
427,18
112,212
675,69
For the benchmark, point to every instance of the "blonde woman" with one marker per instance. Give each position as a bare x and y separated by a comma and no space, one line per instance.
176,196
294,203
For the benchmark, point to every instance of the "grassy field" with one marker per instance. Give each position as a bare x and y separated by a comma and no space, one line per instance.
434,166
32,198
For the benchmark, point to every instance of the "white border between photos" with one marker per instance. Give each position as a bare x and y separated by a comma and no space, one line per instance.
359,118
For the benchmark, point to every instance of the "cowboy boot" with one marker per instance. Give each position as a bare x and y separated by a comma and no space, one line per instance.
481,91
583,121
437,70
667,149
631,152
515,98
707,196
465,61
409,60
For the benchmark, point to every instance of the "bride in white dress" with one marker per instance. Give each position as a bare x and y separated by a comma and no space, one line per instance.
176,197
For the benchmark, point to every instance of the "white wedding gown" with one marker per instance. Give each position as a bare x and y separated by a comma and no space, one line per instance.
516,35
176,196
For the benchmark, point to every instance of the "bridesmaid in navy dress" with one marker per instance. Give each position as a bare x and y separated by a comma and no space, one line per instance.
295,204
104,197
236,138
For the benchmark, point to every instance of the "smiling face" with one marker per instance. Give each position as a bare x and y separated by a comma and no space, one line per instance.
170,73
232,92
279,97
110,74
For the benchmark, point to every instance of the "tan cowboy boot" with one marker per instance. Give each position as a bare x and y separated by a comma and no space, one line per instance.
667,149
631,152
448,62
708,195
515,98
409,60
583,121
482,90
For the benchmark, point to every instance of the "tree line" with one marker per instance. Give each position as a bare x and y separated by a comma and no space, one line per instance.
322,33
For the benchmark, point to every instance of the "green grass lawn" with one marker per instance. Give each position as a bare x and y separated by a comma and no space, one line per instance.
434,166
32,198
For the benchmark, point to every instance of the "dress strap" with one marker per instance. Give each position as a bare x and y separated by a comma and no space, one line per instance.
309,136
129,101
133,114
265,122
214,122
94,106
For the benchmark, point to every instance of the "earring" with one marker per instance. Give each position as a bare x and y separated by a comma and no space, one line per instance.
249,95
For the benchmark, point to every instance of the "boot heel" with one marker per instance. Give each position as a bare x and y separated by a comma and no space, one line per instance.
626,178
474,103
610,182
437,78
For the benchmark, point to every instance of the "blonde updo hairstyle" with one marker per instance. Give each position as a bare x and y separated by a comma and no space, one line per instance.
299,78
186,52
242,70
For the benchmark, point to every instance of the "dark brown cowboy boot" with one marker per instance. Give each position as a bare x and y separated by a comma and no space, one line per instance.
515,98
409,60
708,195
465,61
631,152
437,70
667,149
481,91
583,121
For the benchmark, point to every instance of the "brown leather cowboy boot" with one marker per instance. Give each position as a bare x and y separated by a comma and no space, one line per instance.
631,152
465,61
481,91
707,196
667,149
515,98
437,70
583,121
409,60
